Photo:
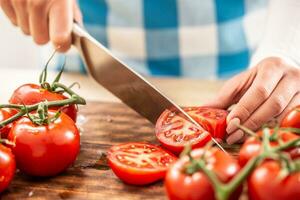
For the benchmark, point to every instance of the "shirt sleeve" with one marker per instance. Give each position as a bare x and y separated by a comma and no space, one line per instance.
282,34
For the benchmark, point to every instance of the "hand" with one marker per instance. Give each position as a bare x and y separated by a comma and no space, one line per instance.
44,20
264,92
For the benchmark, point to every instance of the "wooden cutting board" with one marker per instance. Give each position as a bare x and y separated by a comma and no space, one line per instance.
102,125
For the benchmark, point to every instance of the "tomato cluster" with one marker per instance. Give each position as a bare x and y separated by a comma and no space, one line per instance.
38,141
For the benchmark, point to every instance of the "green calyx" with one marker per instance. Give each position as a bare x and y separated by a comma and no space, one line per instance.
42,117
43,77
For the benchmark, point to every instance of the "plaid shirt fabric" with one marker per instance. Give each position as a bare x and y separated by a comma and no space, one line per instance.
191,38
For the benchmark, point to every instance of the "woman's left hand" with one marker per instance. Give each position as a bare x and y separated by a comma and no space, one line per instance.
262,93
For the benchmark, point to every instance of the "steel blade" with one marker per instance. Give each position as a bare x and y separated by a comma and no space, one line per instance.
118,78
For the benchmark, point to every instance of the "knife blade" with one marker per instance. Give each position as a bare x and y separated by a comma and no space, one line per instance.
122,81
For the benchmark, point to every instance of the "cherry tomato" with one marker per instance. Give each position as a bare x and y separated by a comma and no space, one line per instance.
253,145
5,114
45,150
139,163
266,183
292,118
212,119
29,94
174,132
182,186
7,167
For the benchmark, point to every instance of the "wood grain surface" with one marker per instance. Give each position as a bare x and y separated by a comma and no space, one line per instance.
102,125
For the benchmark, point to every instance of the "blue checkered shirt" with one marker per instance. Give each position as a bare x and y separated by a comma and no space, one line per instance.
191,38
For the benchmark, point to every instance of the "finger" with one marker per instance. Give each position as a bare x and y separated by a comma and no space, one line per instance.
9,11
235,137
233,89
233,125
271,108
38,21
294,102
60,24
20,7
260,90
77,13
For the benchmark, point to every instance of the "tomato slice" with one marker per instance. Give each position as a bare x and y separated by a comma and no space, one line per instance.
212,119
174,132
139,163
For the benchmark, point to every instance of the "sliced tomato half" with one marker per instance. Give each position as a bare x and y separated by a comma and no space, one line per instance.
139,163
212,119
174,132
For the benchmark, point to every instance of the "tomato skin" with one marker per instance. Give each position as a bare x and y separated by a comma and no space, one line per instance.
5,114
252,146
180,186
7,167
264,183
29,94
138,175
45,150
292,118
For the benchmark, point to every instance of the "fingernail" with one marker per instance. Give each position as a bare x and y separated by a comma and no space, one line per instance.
232,125
235,137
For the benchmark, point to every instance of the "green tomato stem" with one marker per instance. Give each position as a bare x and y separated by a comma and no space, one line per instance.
23,109
266,140
290,129
287,145
224,190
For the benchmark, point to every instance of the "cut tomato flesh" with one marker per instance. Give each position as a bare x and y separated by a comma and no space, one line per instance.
139,163
174,132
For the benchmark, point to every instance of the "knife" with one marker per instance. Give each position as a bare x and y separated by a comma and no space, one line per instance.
122,81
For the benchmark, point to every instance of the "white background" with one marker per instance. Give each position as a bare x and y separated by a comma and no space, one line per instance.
16,49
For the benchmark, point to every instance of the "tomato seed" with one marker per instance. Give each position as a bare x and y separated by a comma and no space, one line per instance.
186,138
178,138
168,134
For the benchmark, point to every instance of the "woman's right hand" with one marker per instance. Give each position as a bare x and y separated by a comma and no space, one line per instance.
44,20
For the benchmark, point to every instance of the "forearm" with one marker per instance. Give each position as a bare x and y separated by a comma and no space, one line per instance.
282,34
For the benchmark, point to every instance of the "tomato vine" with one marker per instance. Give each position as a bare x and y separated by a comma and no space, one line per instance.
224,190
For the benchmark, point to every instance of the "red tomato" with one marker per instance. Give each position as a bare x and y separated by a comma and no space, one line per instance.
174,132
5,114
29,94
181,186
252,146
45,150
212,119
266,183
139,163
7,167
292,118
